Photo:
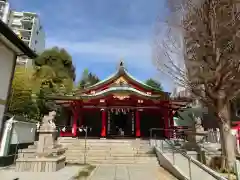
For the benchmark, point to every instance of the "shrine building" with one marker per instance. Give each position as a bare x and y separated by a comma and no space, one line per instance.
119,103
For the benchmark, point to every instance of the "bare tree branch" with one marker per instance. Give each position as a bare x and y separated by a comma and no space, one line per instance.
200,50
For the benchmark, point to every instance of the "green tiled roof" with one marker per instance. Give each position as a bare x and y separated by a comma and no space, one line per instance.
107,91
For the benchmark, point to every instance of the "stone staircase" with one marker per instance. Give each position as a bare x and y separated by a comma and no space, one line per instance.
106,151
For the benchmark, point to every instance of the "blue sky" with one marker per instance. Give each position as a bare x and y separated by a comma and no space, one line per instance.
98,33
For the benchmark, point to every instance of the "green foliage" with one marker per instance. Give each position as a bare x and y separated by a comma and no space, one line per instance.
21,101
87,79
54,74
59,61
151,82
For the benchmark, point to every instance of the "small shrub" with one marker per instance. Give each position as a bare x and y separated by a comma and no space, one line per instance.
85,172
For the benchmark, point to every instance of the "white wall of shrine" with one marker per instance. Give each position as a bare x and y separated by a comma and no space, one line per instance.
7,60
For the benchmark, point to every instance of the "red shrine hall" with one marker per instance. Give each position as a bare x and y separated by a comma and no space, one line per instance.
118,106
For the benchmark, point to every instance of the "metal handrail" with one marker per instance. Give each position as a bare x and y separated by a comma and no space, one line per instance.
190,159
167,129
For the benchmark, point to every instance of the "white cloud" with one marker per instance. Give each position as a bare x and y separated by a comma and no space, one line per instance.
117,48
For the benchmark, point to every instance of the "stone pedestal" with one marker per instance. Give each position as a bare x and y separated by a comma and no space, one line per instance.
42,164
193,139
45,155
195,135
46,141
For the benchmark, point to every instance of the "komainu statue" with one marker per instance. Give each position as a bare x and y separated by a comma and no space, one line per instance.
48,121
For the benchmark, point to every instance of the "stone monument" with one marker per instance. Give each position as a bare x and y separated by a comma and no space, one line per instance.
45,155
195,135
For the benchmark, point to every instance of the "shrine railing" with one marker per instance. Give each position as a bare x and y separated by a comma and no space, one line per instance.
173,132
184,162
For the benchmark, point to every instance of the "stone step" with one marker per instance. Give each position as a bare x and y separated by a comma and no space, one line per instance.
103,144
68,154
98,144
112,160
96,140
110,145
80,161
100,151
94,151
146,158
102,148
108,154
104,140
107,140
106,144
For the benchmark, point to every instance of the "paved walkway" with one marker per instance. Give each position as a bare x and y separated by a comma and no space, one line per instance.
64,174
130,172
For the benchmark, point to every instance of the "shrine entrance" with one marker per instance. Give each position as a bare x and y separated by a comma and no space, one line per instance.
119,106
120,123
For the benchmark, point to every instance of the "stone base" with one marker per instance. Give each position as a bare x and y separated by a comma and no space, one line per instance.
42,164
190,146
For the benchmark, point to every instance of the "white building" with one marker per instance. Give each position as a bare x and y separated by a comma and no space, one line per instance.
28,28
4,10
10,48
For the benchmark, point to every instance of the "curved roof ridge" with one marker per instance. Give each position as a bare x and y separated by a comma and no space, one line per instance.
121,71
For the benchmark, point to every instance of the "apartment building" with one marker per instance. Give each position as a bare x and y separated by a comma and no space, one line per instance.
4,10
28,28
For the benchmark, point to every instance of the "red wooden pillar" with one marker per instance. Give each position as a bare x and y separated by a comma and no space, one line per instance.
76,111
104,118
81,117
138,129
74,126
166,123
171,123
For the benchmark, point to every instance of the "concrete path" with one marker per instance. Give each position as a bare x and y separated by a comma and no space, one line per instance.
64,174
130,172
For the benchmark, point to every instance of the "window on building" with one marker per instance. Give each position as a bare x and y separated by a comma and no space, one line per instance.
37,32
36,41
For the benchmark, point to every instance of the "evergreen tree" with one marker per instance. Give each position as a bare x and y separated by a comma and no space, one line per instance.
87,79
151,82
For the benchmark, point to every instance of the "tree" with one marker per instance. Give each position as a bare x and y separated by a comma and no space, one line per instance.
55,74
151,82
87,79
210,65
21,101
55,65
60,62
